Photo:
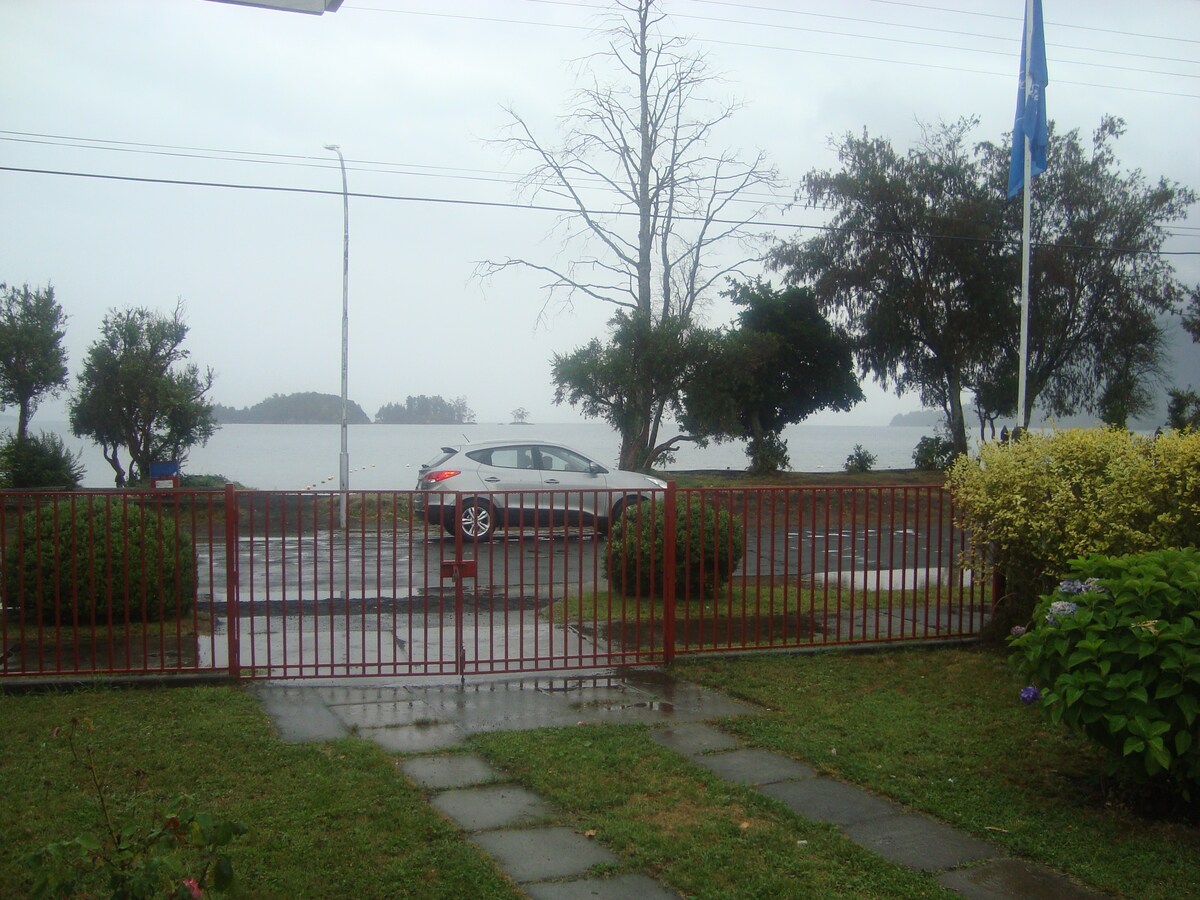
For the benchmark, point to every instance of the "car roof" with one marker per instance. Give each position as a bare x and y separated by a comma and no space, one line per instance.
518,442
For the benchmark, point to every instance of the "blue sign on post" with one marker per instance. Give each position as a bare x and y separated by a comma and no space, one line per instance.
164,474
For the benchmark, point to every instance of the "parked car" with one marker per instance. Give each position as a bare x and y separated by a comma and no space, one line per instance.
506,484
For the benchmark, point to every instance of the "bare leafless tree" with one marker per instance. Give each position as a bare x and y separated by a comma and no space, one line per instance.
654,217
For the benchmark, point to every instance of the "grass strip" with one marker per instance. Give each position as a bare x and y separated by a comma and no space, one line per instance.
325,820
702,836
944,732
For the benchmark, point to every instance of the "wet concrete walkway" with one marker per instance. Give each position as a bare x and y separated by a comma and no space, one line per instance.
511,824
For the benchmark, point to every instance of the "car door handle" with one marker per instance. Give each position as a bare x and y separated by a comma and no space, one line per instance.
491,478
550,481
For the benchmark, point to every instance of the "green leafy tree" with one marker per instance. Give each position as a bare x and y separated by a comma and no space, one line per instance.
1183,404
619,379
782,362
922,263
138,391
1098,283
33,362
910,264
648,134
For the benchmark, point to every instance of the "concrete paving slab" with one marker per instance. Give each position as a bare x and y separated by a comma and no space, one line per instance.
421,738
1013,879
693,738
457,770
491,806
919,842
299,714
620,887
754,767
827,800
541,854
385,713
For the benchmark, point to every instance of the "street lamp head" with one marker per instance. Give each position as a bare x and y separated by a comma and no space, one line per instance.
333,147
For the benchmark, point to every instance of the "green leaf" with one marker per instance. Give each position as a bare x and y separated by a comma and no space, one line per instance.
1133,745
1168,689
1183,742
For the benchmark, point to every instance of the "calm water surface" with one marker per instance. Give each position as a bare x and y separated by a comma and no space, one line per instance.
386,457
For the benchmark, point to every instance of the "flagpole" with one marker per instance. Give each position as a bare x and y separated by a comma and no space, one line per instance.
1027,197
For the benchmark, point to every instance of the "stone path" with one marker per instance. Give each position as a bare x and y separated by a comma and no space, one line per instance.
515,826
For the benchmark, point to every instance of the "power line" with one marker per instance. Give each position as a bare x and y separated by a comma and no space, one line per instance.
497,204
492,176
826,53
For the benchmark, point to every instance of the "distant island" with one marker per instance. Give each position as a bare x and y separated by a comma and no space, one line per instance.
308,408
917,418
312,408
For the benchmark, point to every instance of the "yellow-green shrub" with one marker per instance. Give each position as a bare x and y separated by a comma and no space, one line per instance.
1046,499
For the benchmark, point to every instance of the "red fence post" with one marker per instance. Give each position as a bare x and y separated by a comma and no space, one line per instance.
669,574
231,581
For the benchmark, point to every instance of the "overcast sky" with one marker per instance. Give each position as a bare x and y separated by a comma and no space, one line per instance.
414,92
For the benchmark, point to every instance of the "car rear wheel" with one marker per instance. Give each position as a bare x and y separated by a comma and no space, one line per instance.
477,521
618,508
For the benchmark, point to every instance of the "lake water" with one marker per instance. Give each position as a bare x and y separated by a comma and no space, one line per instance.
386,457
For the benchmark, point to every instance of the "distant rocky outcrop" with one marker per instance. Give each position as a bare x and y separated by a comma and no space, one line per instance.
308,408
918,418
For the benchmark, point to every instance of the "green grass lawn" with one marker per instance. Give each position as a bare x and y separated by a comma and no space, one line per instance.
325,820
941,731
698,834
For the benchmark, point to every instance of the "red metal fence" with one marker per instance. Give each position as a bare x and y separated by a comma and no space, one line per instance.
269,585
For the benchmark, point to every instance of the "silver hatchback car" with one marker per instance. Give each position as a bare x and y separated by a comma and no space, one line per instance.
506,484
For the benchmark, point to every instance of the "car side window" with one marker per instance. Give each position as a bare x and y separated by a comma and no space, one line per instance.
512,458
559,459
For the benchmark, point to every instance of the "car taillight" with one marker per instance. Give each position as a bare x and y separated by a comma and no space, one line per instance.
439,475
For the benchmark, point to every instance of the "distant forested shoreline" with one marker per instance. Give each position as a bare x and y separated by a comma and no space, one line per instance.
312,408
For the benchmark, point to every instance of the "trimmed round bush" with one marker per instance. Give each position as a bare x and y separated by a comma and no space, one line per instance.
78,561
708,547
1114,654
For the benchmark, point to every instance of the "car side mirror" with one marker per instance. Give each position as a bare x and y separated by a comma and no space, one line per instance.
597,469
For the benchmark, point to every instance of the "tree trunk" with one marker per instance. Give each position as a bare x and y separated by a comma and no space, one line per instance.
958,424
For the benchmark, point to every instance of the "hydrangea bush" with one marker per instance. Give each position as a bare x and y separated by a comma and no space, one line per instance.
1114,654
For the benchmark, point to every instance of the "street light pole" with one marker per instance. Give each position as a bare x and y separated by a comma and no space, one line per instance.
344,459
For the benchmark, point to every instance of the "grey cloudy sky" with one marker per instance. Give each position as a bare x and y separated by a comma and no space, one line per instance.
197,91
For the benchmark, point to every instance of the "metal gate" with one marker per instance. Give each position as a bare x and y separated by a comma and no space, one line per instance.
283,590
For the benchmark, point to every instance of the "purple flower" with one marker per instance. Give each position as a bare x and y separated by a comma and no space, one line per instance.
1018,630
1030,695
1060,608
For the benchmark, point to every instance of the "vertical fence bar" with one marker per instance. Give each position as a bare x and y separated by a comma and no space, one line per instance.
669,573
231,581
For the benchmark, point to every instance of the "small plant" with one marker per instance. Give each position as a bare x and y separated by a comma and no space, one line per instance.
168,850
39,461
708,547
859,460
1114,653
933,453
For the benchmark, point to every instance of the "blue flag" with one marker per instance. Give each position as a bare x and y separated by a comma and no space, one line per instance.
1031,116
